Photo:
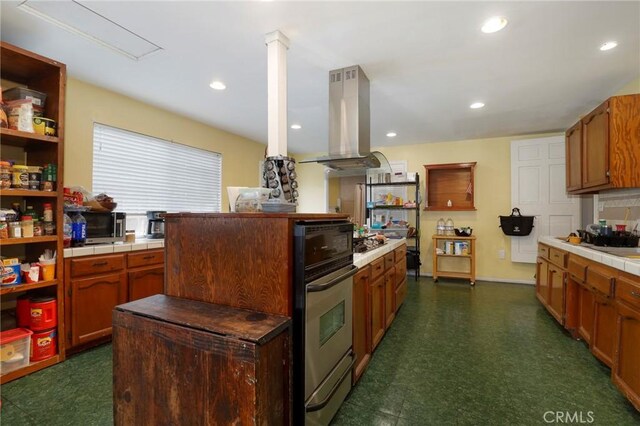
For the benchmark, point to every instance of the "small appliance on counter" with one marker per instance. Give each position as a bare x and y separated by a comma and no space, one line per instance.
155,227
103,227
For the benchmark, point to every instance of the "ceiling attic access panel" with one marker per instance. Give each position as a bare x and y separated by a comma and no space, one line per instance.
450,186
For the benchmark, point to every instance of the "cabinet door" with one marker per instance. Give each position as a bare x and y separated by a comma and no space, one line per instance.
574,157
361,322
556,293
92,303
625,371
595,147
585,313
401,293
542,281
378,319
389,296
145,282
604,326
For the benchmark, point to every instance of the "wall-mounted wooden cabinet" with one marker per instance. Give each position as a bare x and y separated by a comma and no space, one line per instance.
450,186
603,149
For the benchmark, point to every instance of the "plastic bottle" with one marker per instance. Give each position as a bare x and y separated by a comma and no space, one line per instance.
48,212
79,230
16,208
67,231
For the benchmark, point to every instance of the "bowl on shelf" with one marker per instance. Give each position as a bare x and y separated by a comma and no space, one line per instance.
463,232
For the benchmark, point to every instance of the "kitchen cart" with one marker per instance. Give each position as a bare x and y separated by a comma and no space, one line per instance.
440,242
373,206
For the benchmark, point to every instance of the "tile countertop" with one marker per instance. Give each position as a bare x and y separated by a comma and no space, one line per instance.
361,259
631,266
140,244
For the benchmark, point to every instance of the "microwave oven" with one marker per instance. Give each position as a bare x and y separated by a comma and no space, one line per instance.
105,227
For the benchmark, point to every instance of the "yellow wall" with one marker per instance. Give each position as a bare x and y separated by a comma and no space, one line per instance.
492,198
87,104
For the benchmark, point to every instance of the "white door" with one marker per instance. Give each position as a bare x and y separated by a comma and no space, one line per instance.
538,189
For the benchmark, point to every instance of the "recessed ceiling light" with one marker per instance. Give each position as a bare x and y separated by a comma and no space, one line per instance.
296,126
608,45
392,134
476,105
217,85
494,24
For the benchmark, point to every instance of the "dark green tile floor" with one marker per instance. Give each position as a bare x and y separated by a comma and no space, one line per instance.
489,355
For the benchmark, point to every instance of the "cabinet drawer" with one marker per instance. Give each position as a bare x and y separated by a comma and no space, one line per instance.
145,258
629,291
543,251
601,279
389,260
577,267
401,253
558,257
377,268
96,265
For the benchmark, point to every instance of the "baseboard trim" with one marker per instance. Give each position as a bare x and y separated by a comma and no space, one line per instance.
497,280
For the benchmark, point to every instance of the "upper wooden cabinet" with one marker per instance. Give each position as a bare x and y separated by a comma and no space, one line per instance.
450,186
603,149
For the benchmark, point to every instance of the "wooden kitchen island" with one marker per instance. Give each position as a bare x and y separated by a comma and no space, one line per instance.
238,263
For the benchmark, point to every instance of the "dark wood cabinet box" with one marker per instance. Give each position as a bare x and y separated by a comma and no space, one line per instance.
179,361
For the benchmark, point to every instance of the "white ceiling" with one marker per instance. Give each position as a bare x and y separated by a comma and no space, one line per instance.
427,62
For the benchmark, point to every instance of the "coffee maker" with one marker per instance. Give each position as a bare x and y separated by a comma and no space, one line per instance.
155,227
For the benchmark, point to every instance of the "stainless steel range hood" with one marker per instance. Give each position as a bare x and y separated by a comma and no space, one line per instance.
349,122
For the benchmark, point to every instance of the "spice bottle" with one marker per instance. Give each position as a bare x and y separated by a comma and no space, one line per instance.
48,212
27,226
15,231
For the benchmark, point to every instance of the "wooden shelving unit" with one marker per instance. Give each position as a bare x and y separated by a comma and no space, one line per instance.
19,67
471,256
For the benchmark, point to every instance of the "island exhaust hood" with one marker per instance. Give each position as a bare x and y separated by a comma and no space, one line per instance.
349,122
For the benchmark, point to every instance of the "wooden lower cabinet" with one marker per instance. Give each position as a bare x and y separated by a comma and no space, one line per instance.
378,317
557,280
361,322
625,371
604,329
94,285
401,293
389,296
542,281
92,302
586,311
146,282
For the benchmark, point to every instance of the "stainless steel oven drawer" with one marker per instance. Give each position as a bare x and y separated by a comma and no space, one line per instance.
328,397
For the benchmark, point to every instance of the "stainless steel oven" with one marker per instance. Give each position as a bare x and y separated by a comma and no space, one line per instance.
322,322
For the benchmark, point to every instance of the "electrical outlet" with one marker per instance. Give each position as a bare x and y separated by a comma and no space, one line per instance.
501,254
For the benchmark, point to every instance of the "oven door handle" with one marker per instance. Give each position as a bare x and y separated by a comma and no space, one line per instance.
320,405
322,287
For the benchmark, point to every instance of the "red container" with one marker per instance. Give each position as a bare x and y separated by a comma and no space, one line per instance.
23,311
44,344
44,313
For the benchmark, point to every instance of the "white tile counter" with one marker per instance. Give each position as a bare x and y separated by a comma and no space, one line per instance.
631,266
362,259
139,244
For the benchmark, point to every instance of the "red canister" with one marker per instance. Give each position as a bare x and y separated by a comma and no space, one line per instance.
43,313
44,344
23,311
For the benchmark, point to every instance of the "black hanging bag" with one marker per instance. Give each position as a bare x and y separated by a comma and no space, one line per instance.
516,225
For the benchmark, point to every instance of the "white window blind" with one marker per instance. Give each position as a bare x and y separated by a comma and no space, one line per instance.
144,173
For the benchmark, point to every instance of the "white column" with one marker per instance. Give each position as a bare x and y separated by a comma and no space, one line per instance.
277,46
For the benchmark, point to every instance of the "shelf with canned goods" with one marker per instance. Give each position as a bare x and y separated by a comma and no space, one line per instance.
451,247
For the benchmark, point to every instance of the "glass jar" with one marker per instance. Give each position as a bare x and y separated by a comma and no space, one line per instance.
20,177
27,226
38,228
15,231
5,174
49,228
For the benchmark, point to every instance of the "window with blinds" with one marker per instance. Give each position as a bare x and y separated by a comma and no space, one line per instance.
144,173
